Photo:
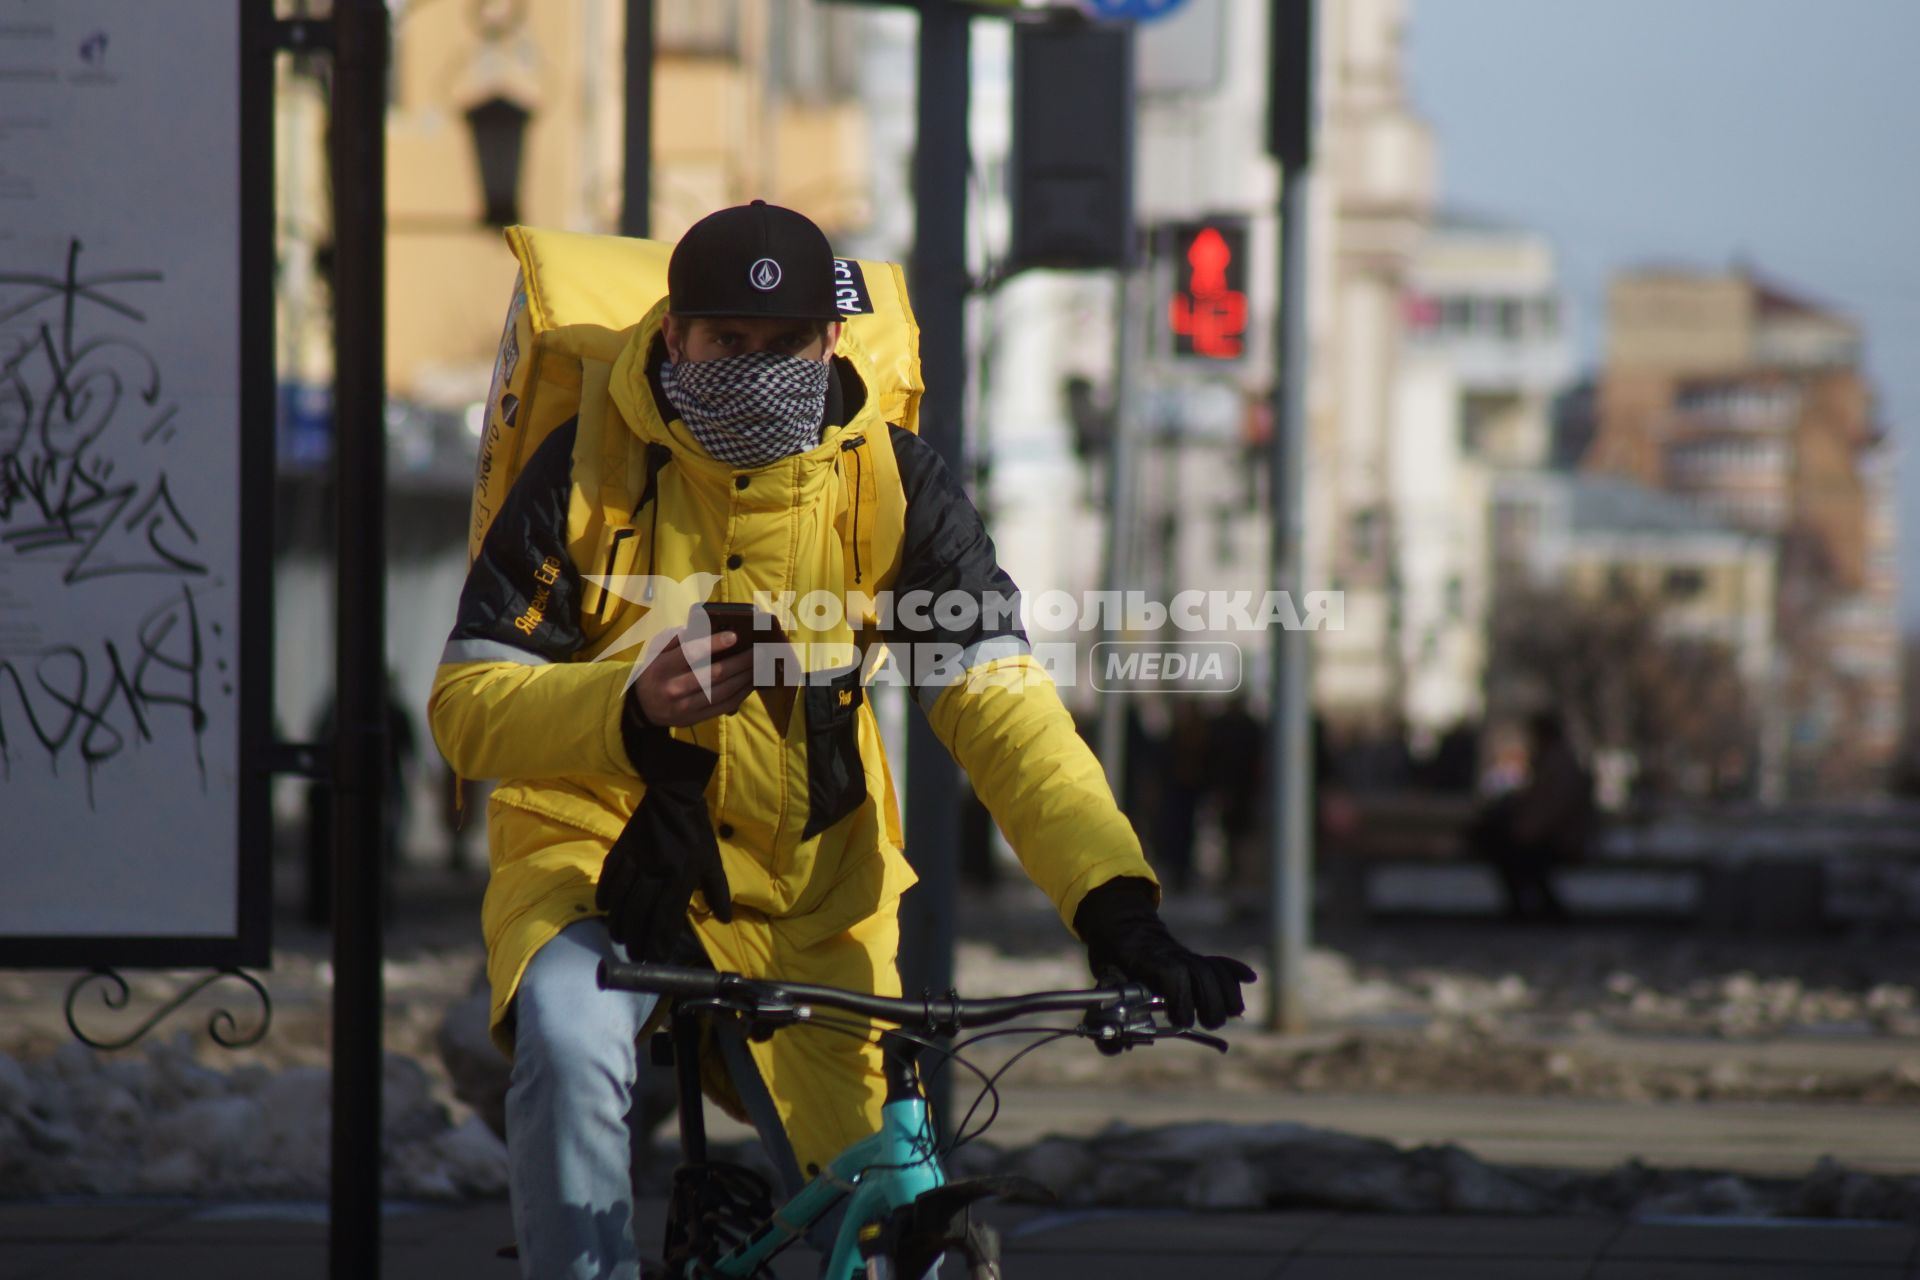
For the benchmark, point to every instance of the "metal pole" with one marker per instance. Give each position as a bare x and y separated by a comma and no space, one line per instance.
939,274
1289,728
358,144
637,181
1121,485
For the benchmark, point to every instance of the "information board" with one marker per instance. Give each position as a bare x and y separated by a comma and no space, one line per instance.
135,178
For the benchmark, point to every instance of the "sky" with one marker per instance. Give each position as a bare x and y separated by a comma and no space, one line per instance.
1698,132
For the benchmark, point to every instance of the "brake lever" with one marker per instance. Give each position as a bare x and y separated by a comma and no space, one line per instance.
761,1018
1128,1021
1200,1037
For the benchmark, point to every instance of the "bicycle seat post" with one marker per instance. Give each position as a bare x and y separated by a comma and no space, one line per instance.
686,1068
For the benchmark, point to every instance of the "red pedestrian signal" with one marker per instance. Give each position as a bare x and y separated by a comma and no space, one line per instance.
1208,310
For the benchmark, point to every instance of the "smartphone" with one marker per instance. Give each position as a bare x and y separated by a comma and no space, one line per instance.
755,626
752,625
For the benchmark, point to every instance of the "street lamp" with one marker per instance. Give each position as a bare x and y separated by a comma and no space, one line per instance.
499,127
502,88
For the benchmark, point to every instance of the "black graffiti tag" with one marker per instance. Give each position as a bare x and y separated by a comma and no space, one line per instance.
84,425
63,392
94,705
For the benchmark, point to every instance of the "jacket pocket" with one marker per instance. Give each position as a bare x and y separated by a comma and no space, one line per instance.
836,778
613,556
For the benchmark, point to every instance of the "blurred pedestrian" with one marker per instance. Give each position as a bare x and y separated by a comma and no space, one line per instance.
1456,759
978,870
1183,784
1235,762
402,748
1543,823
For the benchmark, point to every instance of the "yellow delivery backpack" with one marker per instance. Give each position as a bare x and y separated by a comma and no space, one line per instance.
575,300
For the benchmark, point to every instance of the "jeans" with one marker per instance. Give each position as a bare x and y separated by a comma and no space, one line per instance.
570,1104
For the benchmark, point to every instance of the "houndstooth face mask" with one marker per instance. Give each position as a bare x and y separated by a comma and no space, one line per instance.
751,409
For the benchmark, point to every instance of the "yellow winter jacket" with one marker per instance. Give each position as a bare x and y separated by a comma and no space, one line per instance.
531,691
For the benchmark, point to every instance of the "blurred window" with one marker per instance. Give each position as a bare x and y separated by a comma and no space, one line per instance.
1515,524
1421,314
1683,584
1366,529
1546,316
813,52
709,27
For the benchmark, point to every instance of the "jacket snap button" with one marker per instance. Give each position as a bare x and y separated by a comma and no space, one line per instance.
741,482
726,830
735,561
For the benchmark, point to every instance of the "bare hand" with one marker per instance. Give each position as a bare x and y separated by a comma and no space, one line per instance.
669,688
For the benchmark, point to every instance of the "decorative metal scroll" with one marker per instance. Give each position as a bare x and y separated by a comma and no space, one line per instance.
221,1024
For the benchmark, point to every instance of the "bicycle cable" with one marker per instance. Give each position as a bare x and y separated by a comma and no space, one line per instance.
960,1136
989,1084
929,1135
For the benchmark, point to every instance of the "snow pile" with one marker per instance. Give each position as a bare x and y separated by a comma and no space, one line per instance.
1227,1167
1291,1166
1741,1005
158,1122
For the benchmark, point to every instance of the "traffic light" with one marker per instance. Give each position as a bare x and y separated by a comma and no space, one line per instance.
1071,162
1290,82
1208,310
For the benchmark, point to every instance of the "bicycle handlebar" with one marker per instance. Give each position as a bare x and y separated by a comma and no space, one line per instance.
940,1015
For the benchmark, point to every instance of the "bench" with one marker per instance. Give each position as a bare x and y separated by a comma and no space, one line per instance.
1413,831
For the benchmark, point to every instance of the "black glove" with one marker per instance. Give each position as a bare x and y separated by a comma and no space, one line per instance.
1125,935
666,851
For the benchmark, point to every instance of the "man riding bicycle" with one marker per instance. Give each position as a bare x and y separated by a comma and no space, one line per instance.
634,812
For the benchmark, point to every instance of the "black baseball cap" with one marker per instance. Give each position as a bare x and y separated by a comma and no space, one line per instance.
753,260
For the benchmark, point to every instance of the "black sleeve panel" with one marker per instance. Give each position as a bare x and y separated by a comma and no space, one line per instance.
523,589
946,548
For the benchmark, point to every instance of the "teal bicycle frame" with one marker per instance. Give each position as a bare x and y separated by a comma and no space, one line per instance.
875,1175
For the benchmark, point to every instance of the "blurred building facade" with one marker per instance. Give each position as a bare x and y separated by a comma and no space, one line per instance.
1646,622
1600,536
751,100
1375,189
1439,351
1485,351
1750,403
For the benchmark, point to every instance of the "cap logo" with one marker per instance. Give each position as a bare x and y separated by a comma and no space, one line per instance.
764,275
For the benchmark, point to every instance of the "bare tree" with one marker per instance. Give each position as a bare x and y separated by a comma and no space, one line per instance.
1625,680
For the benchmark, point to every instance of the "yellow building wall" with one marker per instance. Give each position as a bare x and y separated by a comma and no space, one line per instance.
717,140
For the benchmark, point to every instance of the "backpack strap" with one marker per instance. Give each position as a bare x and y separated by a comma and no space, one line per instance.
616,465
873,529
